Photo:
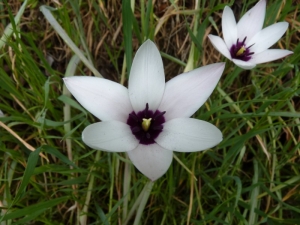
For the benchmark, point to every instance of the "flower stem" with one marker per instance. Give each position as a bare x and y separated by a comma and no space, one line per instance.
126,187
138,201
147,190
71,68
135,205
84,211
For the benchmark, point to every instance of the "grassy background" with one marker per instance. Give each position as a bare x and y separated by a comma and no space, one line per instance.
49,176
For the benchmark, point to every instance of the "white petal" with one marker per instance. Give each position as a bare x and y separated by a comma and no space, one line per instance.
267,37
188,135
229,27
244,65
270,55
147,80
252,22
185,93
105,99
151,160
111,136
220,45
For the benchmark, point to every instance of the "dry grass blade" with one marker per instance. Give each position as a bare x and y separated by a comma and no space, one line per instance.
31,148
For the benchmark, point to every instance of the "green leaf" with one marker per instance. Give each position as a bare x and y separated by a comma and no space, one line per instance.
29,170
39,207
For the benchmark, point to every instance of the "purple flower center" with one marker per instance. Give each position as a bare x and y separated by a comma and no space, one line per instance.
146,125
241,51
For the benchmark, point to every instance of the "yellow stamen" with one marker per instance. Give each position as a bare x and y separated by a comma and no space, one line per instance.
241,51
146,124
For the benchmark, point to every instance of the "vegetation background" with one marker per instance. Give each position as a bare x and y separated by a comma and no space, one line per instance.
49,176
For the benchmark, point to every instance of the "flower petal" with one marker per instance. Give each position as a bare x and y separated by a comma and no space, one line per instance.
229,27
243,64
188,135
267,37
105,99
220,45
185,93
270,55
252,22
111,136
151,160
147,80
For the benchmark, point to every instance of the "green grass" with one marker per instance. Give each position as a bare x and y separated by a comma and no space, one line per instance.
49,176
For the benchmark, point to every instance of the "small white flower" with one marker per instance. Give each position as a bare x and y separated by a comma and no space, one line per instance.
150,119
246,43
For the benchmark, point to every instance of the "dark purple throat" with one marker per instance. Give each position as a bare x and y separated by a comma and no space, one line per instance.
241,51
146,125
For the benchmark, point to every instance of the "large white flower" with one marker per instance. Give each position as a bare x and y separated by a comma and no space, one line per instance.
246,43
150,119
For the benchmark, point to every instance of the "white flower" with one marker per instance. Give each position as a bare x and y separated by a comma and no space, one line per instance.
246,43
150,119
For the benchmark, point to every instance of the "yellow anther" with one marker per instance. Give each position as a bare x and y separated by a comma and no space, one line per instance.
241,51
146,124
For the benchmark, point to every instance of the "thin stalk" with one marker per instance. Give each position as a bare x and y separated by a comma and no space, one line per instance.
127,169
274,162
135,205
126,185
191,194
112,183
254,193
184,166
123,75
83,216
72,66
142,3
83,42
198,192
190,65
146,194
